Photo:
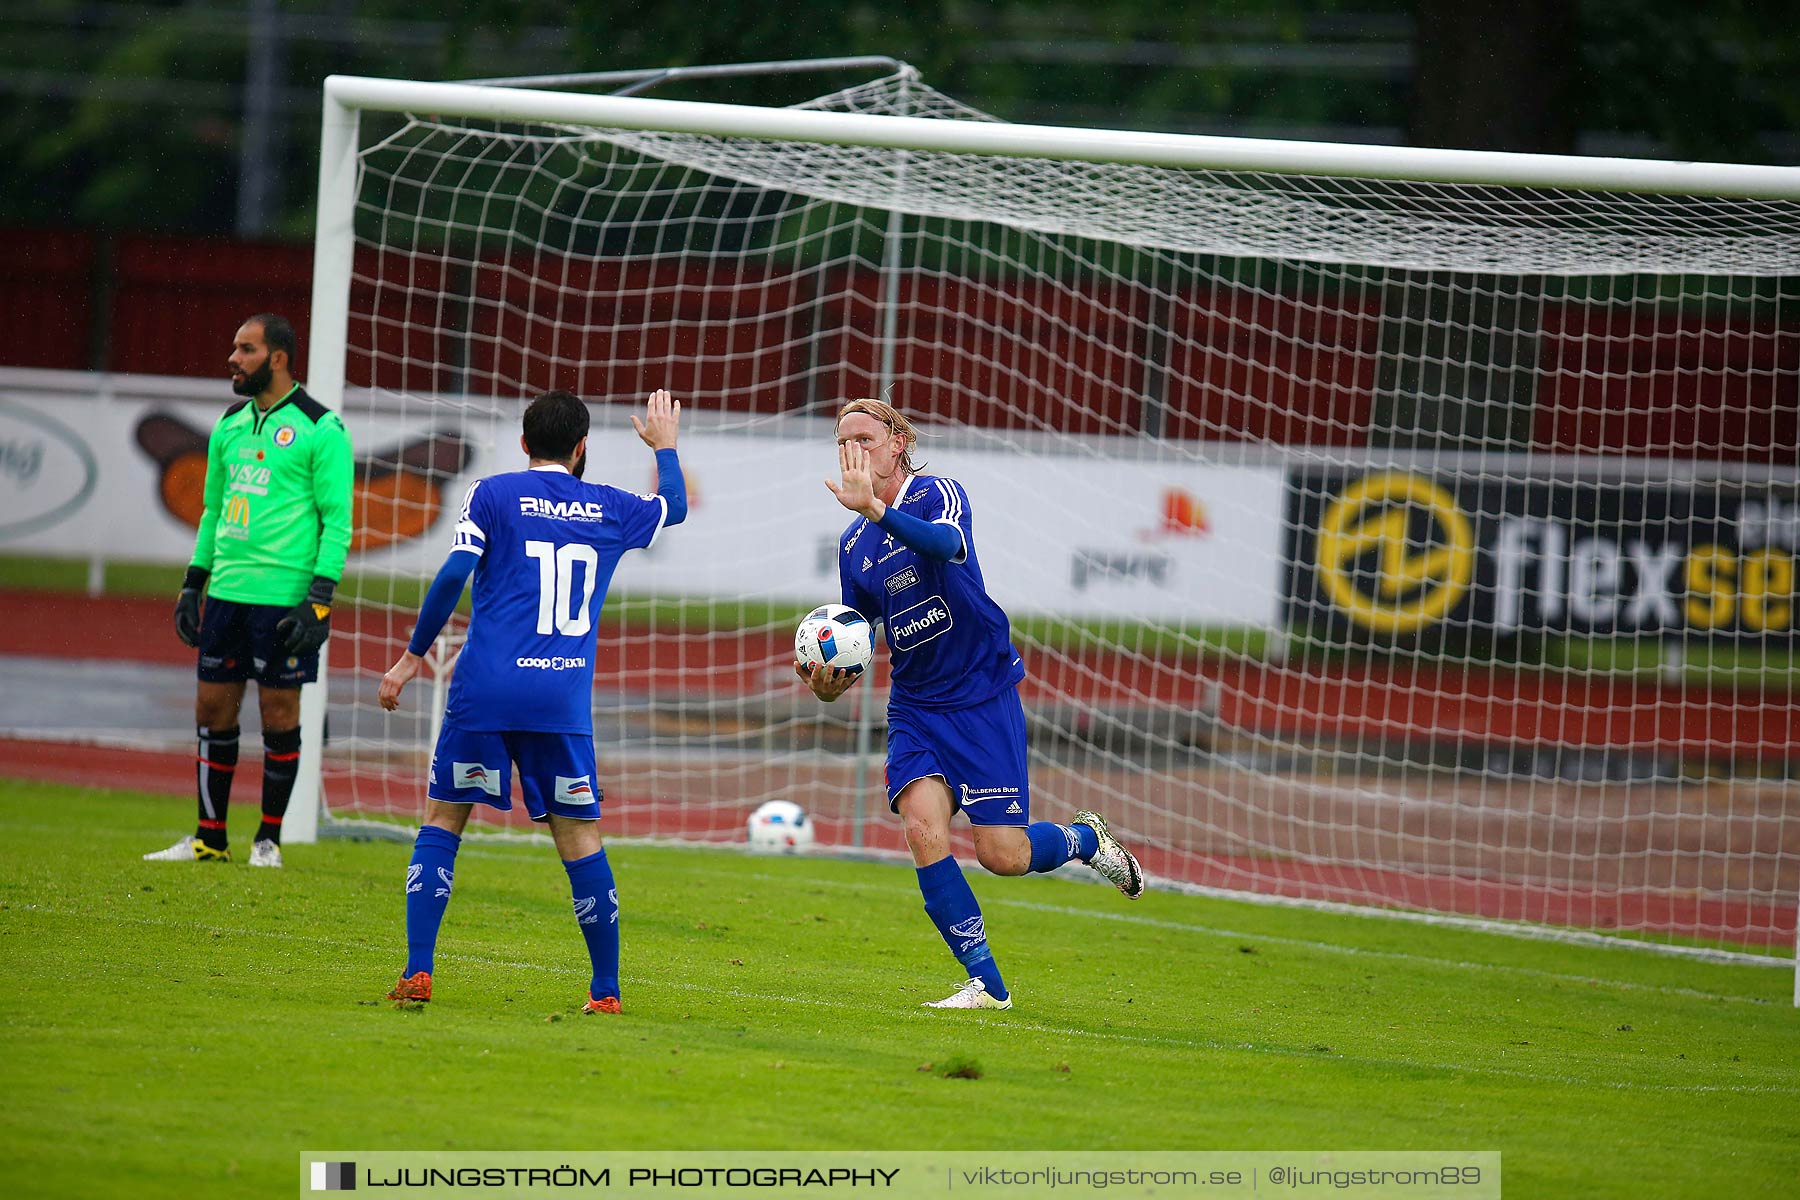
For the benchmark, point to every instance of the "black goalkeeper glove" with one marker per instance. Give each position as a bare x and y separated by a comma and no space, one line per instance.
305,629
187,605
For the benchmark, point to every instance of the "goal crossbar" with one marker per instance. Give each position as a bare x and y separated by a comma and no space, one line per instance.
1411,163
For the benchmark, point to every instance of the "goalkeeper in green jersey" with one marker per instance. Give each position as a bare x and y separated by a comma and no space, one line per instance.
270,550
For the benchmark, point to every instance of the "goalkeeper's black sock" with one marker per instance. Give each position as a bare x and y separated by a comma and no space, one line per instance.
215,764
281,762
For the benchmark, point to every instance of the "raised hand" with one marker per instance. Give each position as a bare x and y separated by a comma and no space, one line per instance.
662,420
856,490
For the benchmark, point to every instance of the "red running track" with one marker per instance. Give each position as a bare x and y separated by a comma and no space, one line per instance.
1371,702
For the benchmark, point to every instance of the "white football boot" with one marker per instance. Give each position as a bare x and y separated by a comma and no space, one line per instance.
1112,860
189,849
265,853
973,994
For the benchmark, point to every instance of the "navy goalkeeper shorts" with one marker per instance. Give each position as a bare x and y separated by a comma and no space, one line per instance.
239,642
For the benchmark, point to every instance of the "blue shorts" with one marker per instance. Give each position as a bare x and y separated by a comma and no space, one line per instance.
556,771
239,642
978,751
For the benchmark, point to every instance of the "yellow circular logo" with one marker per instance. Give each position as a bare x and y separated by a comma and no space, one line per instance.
1395,552
284,437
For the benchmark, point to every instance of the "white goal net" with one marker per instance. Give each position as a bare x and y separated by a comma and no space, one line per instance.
1412,545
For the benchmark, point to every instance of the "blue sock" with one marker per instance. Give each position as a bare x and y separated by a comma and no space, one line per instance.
1052,845
952,908
597,913
428,894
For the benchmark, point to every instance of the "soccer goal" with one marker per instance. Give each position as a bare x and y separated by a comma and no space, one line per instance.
1406,529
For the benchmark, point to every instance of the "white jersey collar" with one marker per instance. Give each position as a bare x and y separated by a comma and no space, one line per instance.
550,467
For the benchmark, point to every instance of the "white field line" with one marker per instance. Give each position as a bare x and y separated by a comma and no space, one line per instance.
1514,929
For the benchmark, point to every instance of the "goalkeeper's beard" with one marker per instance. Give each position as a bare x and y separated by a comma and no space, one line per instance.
256,382
579,466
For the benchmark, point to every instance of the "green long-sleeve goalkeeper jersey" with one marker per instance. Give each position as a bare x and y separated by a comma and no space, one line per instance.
277,501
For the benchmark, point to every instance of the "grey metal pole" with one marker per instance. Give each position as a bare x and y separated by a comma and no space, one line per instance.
259,170
645,77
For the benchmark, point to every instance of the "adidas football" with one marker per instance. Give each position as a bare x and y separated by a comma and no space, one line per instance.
834,635
780,827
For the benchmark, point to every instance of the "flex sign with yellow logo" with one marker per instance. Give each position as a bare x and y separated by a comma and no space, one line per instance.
1388,555
1394,552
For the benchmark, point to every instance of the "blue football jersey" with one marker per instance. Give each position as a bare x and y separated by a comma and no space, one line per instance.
949,644
548,544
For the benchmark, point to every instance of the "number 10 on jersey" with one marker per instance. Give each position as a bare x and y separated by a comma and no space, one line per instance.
556,586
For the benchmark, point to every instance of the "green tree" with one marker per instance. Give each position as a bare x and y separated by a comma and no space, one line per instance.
131,115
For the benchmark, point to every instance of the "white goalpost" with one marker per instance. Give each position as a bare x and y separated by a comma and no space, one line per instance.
1406,529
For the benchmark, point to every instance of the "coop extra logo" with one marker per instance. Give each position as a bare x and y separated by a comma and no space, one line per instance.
1394,552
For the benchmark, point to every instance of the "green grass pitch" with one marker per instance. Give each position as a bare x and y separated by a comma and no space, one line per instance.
186,1030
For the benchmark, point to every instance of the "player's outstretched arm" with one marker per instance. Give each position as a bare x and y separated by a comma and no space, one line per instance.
440,602
933,539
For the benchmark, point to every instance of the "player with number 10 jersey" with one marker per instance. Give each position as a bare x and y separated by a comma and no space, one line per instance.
542,546
548,545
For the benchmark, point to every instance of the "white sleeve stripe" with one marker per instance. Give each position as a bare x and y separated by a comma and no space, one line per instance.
952,502
953,511
657,532
467,534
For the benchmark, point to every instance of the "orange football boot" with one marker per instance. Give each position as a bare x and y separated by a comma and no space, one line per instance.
416,987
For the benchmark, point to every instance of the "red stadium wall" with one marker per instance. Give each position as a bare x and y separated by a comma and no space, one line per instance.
177,301
47,278
1246,365
161,305
735,334
1634,383
1218,363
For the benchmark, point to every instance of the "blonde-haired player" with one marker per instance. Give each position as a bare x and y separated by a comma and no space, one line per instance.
956,728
